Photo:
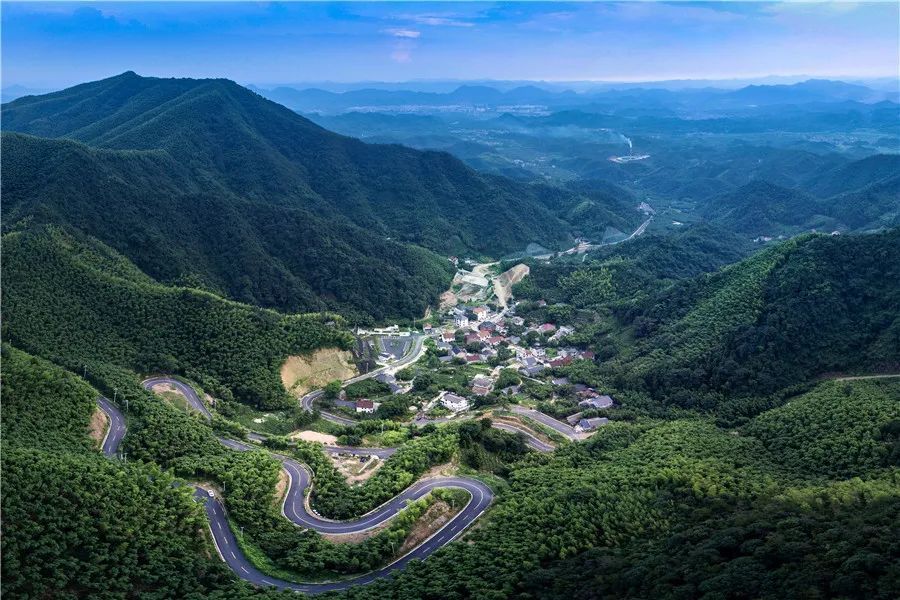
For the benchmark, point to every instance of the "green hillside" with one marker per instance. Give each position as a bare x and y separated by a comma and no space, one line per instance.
243,196
74,300
189,231
763,208
683,509
76,524
808,307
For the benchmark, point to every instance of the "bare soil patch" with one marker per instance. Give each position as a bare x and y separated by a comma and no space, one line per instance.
282,486
159,388
300,374
98,426
503,284
314,436
356,469
434,518
443,470
448,299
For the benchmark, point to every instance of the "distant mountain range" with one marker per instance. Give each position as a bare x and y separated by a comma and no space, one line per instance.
862,194
812,90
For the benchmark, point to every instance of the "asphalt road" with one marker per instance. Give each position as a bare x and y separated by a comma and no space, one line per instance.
117,428
188,392
547,420
530,439
294,508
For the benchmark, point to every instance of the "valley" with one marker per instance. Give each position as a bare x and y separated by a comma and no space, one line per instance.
438,344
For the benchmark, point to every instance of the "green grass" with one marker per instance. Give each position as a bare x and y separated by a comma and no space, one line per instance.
279,422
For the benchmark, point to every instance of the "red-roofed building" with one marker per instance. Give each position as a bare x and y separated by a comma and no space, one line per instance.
364,405
561,362
547,328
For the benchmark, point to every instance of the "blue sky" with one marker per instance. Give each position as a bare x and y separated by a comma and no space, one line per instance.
61,43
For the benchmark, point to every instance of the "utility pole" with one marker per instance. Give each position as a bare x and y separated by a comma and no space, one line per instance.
84,372
115,394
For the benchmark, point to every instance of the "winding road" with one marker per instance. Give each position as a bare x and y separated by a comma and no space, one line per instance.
530,439
116,430
295,508
185,390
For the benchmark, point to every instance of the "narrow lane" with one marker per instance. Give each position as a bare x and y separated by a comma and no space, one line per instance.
558,426
532,441
116,430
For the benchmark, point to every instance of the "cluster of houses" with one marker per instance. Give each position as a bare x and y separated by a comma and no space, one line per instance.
482,326
588,399
489,330
533,361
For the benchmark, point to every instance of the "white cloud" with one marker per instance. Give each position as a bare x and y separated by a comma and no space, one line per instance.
435,20
403,33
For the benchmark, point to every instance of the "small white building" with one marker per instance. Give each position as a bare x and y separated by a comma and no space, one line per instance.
461,321
454,403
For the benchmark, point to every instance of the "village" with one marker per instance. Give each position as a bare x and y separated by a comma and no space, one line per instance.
475,355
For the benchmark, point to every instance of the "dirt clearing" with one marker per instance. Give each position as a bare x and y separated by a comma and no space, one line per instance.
98,426
356,469
281,486
504,282
300,374
314,436
434,518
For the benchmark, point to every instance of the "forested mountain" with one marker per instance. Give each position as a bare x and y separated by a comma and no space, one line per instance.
813,305
76,524
72,299
683,509
205,182
763,208
861,194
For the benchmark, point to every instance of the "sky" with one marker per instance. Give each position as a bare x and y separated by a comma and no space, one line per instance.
55,44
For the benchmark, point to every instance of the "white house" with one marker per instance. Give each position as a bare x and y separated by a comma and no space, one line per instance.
454,403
